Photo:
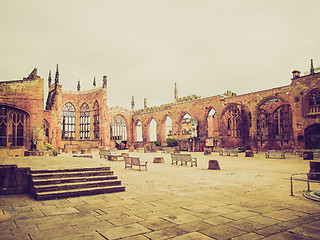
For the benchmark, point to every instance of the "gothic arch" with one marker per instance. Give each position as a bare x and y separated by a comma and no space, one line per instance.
118,128
234,124
312,102
312,136
152,129
267,99
68,121
273,123
138,136
186,125
167,126
14,126
211,121
85,121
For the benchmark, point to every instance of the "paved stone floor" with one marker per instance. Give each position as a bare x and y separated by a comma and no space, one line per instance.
249,198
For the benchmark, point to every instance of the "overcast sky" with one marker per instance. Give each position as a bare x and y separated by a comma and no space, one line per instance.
145,46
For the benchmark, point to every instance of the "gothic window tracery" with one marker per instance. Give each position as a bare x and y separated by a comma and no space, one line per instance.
314,102
262,123
282,121
68,121
85,121
13,123
233,121
3,126
118,128
96,121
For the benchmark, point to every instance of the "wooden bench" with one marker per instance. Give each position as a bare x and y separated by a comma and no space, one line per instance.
228,151
275,153
134,161
183,158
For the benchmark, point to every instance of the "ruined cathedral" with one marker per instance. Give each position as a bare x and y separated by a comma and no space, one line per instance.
286,118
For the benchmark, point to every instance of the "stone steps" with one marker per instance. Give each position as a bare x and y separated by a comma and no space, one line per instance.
53,184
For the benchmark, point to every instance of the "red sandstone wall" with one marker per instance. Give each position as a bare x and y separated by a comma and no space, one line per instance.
294,95
27,95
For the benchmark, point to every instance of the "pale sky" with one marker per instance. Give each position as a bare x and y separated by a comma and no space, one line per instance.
145,46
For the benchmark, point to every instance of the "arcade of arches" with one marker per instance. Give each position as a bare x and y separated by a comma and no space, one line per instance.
281,118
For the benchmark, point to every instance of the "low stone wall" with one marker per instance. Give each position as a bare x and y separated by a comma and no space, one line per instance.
14,180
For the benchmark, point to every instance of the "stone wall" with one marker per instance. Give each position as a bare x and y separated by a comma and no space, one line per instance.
14,180
26,95
294,95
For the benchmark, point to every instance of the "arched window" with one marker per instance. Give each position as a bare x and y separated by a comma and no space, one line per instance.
282,118
262,124
85,121
96,121
153,130
211,122
211,113
17,129
186,126
3,126
68,121
13,124
314,102
46,127
168,124
139,131
233,121
118,128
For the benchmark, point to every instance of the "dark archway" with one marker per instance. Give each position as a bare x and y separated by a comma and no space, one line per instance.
312,136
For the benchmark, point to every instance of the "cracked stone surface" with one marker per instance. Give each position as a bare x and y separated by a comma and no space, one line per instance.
249,198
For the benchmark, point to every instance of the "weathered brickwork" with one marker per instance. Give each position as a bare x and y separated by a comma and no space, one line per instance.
286,109
21,114
281,118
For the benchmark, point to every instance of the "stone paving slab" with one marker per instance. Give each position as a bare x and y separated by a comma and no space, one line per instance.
222,232
123,231
167,233
157,224
192,236
249,198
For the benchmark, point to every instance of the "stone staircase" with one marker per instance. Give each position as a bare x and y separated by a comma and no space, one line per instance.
53,184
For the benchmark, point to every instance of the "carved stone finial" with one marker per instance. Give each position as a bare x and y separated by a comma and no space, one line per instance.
78,88
49,79
104,84
175,92
132,103
94,82
145,103
56,80
311,67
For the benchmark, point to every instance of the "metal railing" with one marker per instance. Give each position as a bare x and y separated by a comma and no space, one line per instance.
293,177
